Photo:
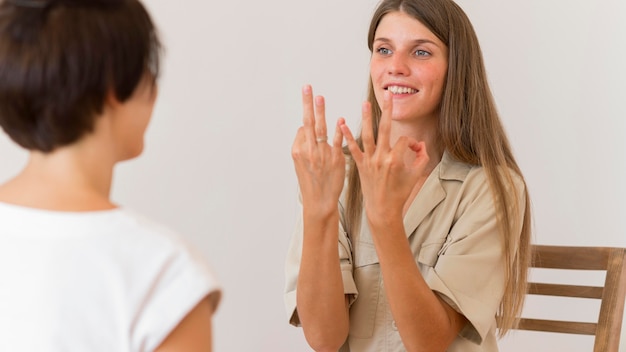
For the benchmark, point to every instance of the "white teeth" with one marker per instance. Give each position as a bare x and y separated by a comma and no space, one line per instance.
401,90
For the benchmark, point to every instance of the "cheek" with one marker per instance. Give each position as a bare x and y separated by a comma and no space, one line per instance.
375,77
437,85
143,118
378,94
440,75
435,80
375,71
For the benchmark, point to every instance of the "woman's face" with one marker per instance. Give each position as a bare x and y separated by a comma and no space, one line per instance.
411,62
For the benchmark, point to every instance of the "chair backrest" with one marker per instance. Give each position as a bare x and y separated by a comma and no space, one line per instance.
612,294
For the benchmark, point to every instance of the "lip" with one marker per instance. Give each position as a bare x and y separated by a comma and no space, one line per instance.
397,84
402,85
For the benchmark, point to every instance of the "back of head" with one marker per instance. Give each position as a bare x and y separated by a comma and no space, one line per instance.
61,59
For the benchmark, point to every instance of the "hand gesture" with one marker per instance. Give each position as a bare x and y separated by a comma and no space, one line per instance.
320,167
387,179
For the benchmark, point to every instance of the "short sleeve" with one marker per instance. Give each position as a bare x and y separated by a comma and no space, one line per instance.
469,273
182,280
292,268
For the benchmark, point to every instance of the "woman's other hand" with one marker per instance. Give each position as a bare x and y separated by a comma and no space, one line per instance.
388,173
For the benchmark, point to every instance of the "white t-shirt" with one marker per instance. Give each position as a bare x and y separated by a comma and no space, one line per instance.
94,281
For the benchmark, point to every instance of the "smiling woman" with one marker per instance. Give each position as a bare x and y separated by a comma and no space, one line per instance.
429,241
411,62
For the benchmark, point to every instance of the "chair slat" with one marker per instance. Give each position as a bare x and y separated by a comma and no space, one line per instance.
536,288
607,329
573,258
566,327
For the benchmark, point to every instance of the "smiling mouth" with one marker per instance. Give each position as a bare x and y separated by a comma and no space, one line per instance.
401,90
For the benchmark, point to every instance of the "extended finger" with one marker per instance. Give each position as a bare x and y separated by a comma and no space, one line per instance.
308,114
356,152
384,127
320,119
367,132
338,134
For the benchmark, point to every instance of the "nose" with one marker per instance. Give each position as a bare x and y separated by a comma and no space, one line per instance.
398,65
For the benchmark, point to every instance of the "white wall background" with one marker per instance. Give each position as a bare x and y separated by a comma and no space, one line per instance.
217,165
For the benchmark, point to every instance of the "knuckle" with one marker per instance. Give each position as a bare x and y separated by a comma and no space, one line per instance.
391,162
295,153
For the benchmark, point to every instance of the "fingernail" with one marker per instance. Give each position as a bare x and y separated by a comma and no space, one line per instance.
365,106
319,100
306,89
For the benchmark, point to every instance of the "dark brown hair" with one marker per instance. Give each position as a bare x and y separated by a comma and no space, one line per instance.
60,59
471,132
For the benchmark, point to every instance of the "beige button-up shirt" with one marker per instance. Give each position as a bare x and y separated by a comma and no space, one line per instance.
452,230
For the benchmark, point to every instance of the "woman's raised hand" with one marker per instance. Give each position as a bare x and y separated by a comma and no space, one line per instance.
387,178
320,166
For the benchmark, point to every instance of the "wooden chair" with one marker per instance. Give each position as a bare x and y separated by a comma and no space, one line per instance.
612,295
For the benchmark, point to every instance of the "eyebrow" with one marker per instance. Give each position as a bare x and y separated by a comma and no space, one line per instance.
415,42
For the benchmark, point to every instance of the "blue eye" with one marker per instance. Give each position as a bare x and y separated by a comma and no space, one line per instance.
421,53
383,51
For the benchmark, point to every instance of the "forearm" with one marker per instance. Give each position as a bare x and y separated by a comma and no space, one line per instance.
321,302
424,321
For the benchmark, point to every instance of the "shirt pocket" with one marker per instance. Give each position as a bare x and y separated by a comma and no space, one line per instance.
367,277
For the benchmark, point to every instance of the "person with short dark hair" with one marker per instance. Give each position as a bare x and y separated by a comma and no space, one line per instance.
78,83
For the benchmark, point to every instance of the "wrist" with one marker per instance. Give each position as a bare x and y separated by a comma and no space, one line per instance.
383,216
321,214
321,231
381,223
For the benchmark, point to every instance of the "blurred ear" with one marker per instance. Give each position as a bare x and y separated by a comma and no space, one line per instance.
111,101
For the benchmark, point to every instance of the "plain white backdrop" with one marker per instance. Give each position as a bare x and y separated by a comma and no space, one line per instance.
217,163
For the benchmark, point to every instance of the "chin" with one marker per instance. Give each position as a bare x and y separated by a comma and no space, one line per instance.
401,116
131,154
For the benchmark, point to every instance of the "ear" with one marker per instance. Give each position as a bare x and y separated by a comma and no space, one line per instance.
111,104
110,100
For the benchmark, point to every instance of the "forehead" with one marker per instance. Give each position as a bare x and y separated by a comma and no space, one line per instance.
400,26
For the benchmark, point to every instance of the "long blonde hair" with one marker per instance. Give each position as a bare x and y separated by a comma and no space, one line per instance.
470,130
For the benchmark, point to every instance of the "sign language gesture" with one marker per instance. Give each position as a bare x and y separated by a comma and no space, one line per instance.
387,178
320,167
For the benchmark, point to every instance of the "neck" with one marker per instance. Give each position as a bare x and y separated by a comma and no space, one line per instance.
423,131
72,169
73,178
426,132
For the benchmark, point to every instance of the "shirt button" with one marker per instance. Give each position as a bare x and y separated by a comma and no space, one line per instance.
394,326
